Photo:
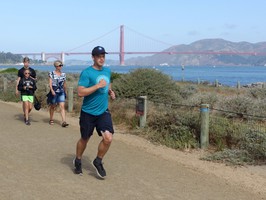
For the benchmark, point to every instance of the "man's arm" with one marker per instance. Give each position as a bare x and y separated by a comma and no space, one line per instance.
83,91
111,92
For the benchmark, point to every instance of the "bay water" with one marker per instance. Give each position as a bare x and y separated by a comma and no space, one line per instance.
225,75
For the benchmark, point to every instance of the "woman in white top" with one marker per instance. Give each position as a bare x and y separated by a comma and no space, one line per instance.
57,84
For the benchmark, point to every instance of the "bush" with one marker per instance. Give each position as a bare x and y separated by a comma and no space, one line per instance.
174,130
230,157
258,93
147,82
9,70
251,150
237,105
254,143
224,133
187,91
202,98
123,112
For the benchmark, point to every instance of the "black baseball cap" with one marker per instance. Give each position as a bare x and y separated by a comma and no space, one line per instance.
98,51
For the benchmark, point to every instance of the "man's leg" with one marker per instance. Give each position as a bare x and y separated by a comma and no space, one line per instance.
86,130
81,146
104,144
102,150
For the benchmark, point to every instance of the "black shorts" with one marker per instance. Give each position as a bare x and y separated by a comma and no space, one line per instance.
88,122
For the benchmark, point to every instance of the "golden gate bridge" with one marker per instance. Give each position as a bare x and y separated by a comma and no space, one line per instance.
121,52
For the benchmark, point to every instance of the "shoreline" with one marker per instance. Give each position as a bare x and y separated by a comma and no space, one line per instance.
219,75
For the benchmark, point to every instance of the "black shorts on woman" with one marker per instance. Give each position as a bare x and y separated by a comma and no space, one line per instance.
101,122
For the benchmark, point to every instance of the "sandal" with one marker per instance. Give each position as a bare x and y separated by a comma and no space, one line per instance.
51,122
64,124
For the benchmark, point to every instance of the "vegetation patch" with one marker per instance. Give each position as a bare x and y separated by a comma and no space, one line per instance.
236,135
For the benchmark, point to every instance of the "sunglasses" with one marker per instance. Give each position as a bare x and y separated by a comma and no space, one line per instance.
26,73
60,65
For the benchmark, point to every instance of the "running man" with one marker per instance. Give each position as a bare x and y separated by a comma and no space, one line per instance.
94,85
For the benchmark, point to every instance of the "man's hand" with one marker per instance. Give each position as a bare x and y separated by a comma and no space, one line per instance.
102,83
112,94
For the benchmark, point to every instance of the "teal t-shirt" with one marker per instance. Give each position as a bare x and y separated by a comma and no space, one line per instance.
97,102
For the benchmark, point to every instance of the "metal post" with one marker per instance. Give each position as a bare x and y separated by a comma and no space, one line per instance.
204,128
142,119
70,99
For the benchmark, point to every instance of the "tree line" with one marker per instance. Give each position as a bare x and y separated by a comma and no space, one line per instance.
9,58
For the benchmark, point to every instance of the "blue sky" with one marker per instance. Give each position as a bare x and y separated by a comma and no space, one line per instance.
62,25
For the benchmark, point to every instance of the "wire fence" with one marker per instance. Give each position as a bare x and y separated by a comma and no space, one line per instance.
242,122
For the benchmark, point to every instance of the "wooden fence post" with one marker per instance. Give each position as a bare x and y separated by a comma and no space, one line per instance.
70,99
204,128
5,84
216,84
238,85
198,81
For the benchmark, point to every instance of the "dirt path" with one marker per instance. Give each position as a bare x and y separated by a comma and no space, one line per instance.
36,163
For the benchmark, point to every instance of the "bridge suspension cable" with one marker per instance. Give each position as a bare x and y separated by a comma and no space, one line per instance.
148,37
70,50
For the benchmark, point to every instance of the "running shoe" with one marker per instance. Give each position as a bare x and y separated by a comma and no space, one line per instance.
99,169
77,165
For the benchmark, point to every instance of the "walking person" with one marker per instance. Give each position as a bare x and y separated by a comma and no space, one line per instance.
27,87
26,65
57,84
94,85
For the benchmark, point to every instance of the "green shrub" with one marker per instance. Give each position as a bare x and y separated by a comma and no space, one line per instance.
187,91
225,133
115,75
254,143
147,82
174,130
123,112
202,98
230,157
9,70
237,105
258,93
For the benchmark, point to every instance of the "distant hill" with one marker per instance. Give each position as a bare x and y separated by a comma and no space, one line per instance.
207,45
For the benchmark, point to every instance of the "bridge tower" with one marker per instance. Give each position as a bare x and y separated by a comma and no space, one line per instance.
62,57
43,56
122,49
